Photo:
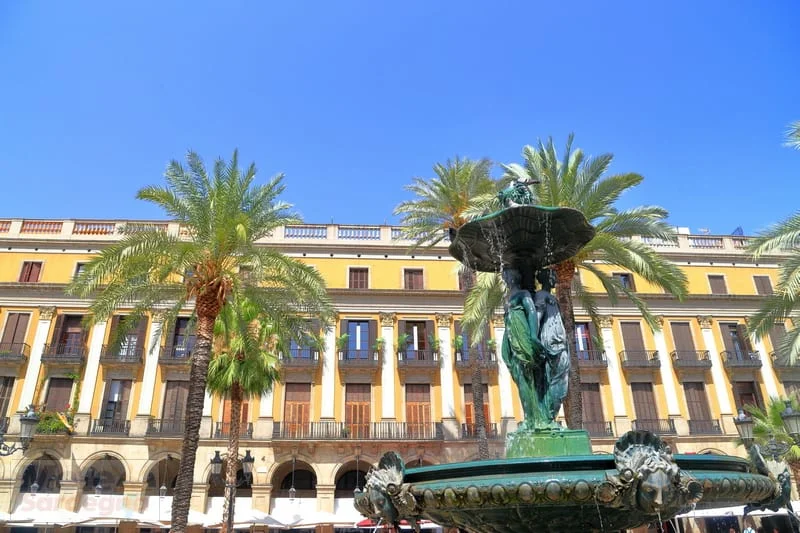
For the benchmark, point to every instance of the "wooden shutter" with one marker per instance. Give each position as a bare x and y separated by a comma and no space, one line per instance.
84,336
644,402
632,339
6,386
175,400
746,393
373,334
744,338
682,336
791,388
717,284
141,335
26,271
776,335
297,408
418,409
763,285
58,393
169,339
696,400
226,411
591,402
58,331
244,417
344,328
469,404
726,329
16,328
30,271
121,412
357,397
401,329
115,320
429,332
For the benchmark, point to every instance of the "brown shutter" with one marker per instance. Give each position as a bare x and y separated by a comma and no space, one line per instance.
357,409
59,329
696,400
418,409
746,393
141,334
297,408
791,388
632,338
175,400
717,284
26,271
682,335
763,285
373,334
727,341
58,393
6,386
468,404
741,331
226,410
245,413
644,401
430,333
592,402
106,399
16,328
169,340
401,329
126,397
84,336
112,335
36,271
776,335
343,329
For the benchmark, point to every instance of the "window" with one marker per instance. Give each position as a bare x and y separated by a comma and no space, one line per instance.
79,269
174,406
745,393
592,403
183,339
418,410
58,393
132,344
69,337
624,279
466,279
244,417
633,341
776,335
584,331
14,334
763,285
717,284
481,350
358,278
791,388
6,386
412,279
115,403
684,343
696,400
361,335
644,403
31,270
297,409
469,418
417,332
737,344
357,410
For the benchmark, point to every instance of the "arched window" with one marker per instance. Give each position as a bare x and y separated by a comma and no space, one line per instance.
348,482
42,476
105,476
304,479
163,474
216,484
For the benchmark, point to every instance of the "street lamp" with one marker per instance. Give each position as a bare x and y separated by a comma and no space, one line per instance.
744,425
247,468
216,464
791,421
292,490
27,423
773,448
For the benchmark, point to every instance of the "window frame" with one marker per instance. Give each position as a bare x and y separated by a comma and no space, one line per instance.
350,271
421,271
22,270
629,275
711,287
76,270
769,280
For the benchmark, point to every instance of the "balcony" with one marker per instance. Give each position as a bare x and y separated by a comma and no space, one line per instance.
599,428
659,426
744,360
13,352
640,359
165,427
64,353
592,359
359,362
779,362
368,431
300,358
130,354
486,359
105,426
688,359
223,430
704,427
421,361
470,431
175,355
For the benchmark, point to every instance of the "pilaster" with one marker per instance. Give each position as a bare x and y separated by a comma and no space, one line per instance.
667,381
152,350
35,360
446,366
199,497
262,495
717,371
388,367
325,495
614,375
262,429
328,374
90,376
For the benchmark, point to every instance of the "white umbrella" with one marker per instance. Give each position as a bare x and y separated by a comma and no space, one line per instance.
113,519
323,518
245,519
38,517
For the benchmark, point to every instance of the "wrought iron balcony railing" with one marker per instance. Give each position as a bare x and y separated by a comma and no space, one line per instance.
165,427
470,431
690,359
359,359
300,357
640,358
418,358
737,359
782,361
599,428
659,426
705,427
14,351
592,358
64,352
223,430
109,426
365,431
130,353
486,359
176,355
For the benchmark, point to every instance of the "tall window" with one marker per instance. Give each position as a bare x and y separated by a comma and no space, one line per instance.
133,342
183,339
746,393
592,402
115,403
583,339
244,417
776,335
14,333
69,337
734,338
174,410
644,403
58,394
469,414
79,268
763,285
625,279
791,388
357,409
412,279
418,410
417,332
306,349
633,341
30,271
480,350
717,284
297,409
6,386
358,278
361,336
684,343
696,400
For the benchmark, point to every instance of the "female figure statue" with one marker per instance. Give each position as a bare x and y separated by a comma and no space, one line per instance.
553,338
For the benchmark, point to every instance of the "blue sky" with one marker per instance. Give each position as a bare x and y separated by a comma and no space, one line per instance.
351,99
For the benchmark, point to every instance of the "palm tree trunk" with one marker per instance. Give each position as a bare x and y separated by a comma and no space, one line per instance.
565,272
232,465
477,407
193,416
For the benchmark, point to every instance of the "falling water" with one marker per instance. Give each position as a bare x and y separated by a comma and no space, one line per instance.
599,514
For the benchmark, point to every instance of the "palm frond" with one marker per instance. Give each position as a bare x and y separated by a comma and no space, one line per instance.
793,135
483,299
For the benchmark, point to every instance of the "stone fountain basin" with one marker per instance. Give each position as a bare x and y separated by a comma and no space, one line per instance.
557,493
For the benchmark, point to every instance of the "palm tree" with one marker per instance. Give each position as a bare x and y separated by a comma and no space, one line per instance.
216,257
768,425
461,186
245,365
793,135
580,183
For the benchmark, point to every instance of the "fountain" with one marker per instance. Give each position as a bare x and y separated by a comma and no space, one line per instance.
550,480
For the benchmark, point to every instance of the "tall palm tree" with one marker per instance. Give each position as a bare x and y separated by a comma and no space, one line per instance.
768,425
793,135
580,183
245,365
216,257
461,186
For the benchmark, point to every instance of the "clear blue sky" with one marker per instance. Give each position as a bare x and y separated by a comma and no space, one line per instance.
351,99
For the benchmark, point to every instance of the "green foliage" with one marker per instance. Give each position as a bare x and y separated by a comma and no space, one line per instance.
434,342
793,135
379,345
768,425
458,343
49,423
491,344
402,342
342,342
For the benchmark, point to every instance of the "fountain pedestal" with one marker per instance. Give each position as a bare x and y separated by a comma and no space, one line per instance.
548,443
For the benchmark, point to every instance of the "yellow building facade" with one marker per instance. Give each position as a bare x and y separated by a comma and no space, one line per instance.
339,407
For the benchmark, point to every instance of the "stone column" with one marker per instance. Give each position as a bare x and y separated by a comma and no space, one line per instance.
622,422
199,497
8,493
152,350
325,497
328,375
262,497
721,384
132,497
449,421
69,497
767,374
388,367
665,369
83,419
207,422
26,398
508,422
262,429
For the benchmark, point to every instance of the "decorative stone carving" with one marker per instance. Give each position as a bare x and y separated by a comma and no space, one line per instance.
660,320
443,320
605,321
158,315
47,312
387,319
705,321
498,321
